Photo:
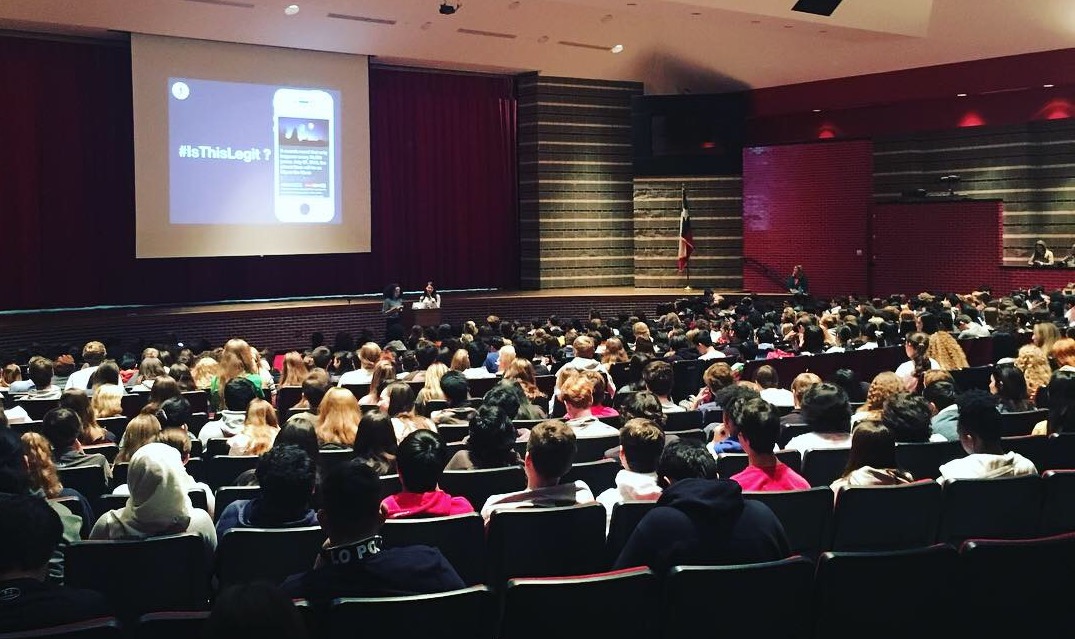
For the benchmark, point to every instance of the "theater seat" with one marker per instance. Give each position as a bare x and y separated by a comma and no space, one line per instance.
471,612
545,542
460,538
102,628
266,554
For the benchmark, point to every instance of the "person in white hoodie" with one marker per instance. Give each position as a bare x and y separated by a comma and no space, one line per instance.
641,445
238,393
979,432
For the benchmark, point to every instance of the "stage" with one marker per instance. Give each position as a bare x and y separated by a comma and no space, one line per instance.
288,323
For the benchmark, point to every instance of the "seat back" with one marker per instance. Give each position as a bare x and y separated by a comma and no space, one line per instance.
822,466
697,434
116,425
415,617
478,485
518,542
625,517
1034,447
171,625
222,470
874,518
1058,502
358,390
199,400
88,480
593,448
36,408
620,373
108,502
328,459
689,589
687,377
216,446
791,431
132,403
227,494
101,628
287,396
119,570
266,554
1021,423
1043,561
1061,452
805,514
1001,508
579,599
844,605
109,451
74,505
923,460
460,538
599,475
453,432
973,377
686,420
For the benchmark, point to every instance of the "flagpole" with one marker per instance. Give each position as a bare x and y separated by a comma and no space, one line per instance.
683,195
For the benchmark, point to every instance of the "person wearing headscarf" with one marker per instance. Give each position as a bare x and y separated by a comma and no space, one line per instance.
158,503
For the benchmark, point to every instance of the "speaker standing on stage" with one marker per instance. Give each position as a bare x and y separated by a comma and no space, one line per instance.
393,305
1042,256
430,297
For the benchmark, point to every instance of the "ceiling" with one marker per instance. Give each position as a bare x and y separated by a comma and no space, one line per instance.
681,46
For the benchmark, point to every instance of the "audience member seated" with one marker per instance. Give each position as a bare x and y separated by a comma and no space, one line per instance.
78,401
707,517
368,356
355,562
337,419
725,436
1036,370
238,393
522,372
259,430
62,427
767,377
1009,385
509,396
641,444
107,400
584,360
140,431
884,385
456,390
39,386
828,414
30,532
420,461
286,476
909,417
550,452
980,434
911,371
658,378
15,480
872,459
490,442
576,390
158,504
256,609
1061,404
237,361
375,442
384,373
941,397
42,475
398,401
758,426
178,439
799,385
716,377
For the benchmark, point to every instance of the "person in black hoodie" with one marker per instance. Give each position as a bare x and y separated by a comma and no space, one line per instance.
700,519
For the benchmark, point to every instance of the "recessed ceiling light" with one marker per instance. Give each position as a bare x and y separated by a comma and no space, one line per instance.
961,95
291,9
1047,86
617,48
817,110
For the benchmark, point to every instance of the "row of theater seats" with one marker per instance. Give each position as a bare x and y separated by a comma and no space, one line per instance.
985,588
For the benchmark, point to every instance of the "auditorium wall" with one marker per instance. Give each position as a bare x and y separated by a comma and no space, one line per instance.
575,186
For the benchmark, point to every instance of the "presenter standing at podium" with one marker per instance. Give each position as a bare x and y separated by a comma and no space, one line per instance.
430,297
392,308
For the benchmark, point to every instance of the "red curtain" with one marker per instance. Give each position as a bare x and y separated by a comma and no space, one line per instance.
443,180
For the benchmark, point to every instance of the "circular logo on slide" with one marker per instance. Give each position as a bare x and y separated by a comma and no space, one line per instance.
180,90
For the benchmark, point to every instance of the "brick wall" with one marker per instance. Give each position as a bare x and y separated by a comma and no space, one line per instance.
715,204
575,182
807,204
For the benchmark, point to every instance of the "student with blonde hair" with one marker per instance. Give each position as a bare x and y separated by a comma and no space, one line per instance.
1035,366
337,419
140,431
368,356
259,430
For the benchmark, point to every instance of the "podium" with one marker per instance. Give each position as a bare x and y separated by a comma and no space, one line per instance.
420,316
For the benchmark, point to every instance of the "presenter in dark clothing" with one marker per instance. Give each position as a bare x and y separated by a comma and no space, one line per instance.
797,283
392,308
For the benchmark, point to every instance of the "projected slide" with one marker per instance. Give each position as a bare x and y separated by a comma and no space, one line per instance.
244,153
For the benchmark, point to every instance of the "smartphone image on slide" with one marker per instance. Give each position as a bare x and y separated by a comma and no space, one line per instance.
303,171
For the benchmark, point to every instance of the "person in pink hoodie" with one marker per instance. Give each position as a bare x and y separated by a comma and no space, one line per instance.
420,460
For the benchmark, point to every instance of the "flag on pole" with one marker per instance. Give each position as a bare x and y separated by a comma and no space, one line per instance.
686,237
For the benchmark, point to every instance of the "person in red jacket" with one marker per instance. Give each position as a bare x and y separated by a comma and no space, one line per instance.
420,460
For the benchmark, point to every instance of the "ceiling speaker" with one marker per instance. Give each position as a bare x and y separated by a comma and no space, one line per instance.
817,7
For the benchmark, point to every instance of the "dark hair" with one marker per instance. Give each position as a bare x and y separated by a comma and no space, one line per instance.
759,422
658,377
504,397
300,430
848,380
643,404
390,291
174,412
908,417
238,393
420,460
40,372
872,444
551,448
351,495
826,409
491,437
256,609
456,387
813,338
30,531
919,343
375,442
1011,388
978,415
286,475
182,375
314,388
941,394
14,477
767,377
61,427
642,443
106,373
686,459
1061,393
476,353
